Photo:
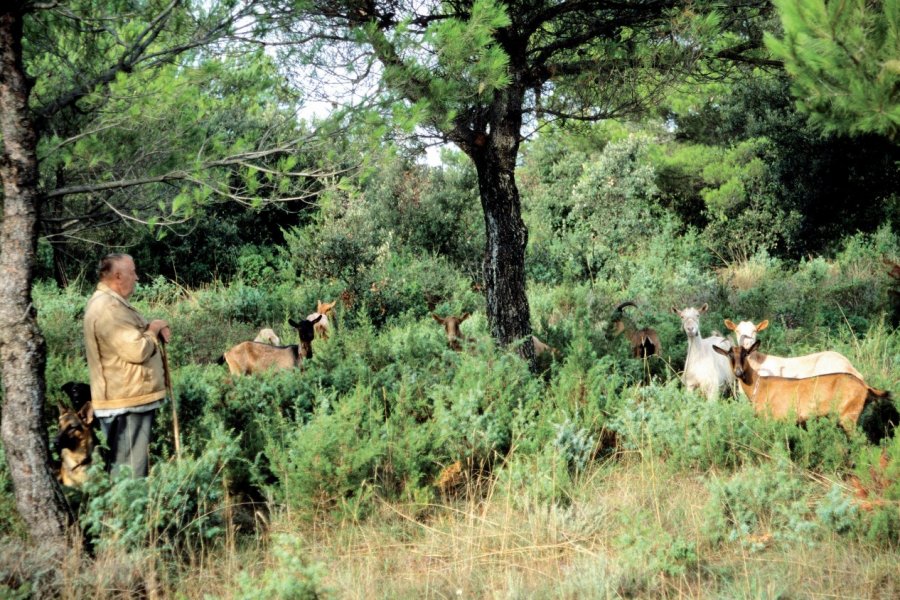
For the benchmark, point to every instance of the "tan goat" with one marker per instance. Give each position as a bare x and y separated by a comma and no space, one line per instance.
451,328
323,326
809,365
842,394
452,324
247,358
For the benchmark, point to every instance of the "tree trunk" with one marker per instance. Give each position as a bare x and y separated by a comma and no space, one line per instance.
494,154
39,498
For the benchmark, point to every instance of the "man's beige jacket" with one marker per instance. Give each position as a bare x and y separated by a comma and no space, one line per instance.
124,363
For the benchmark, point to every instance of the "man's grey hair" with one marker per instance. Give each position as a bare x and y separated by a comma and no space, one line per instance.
108,263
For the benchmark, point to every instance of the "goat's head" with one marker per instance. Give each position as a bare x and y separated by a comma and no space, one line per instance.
323,308
305,328
738,355
745,331
690,319
451,327
617,323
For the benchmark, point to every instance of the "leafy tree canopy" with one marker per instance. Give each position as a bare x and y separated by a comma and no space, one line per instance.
844,58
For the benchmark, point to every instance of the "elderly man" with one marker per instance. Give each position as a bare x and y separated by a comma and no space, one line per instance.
125,365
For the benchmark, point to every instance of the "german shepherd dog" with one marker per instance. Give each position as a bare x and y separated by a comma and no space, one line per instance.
75,441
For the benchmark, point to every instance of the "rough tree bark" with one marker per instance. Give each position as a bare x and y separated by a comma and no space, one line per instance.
493,152
39,498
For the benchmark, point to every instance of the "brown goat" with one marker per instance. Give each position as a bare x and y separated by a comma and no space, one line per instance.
780,397
451,328
644,342
454,335
247,358
540,348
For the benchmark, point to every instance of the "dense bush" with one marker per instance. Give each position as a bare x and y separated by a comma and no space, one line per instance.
179,506
386,411
877,482
769,502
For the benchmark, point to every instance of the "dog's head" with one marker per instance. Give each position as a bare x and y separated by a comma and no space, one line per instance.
75,426
79,393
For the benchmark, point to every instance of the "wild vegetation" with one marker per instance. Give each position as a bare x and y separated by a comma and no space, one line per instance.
392,462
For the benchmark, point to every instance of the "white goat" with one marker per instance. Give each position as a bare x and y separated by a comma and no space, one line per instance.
703,367
809,365
268,336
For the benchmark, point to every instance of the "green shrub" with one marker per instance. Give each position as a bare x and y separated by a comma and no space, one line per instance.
341,246
59,315
251,407
180,505
537,479
769,501
404,285
431,211
822,445
574,444
645,543
878,480
837,511
477,410
288,577
688,430
584,393
328,460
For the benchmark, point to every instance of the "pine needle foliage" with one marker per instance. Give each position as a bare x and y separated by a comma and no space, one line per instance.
844,57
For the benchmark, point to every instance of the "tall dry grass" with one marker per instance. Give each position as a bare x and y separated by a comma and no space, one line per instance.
632,527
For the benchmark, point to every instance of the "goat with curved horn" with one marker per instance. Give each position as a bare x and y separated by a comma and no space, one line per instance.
644,342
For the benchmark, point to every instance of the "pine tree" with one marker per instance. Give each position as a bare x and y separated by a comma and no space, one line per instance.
844,58
481,73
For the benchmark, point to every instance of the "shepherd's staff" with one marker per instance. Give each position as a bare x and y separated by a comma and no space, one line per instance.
165,358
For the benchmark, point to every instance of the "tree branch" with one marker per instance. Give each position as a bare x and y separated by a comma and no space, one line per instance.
136,54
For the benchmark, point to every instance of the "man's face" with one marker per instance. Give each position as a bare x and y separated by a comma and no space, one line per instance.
125,276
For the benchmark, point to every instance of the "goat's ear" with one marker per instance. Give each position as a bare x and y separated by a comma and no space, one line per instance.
293,323
730,324
464,316
676,311
753,347
86,414
721,350
763,325
437,318
326,306
317,319
704,308
62,409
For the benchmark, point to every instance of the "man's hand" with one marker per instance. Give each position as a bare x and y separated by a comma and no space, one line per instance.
160,328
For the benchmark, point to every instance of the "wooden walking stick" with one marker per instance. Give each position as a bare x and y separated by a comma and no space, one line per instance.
168,373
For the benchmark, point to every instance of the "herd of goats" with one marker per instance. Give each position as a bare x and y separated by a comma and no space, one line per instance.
799,387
